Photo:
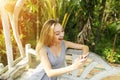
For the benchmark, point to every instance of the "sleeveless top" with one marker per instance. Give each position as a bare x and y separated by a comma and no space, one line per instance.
56,62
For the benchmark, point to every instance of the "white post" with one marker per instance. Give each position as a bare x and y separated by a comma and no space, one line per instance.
29,52
27,47
1,66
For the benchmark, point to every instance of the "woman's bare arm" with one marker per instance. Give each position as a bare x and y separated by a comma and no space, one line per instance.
56,72
85,48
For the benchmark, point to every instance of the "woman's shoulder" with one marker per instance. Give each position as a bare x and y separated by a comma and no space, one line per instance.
42,50
41,53
65,43
68,43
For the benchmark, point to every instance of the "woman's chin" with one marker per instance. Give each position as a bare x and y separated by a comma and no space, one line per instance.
59,42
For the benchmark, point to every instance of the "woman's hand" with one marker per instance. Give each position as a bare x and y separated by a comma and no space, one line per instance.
78,62
85,55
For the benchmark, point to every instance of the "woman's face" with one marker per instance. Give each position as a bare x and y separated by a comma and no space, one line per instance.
59,33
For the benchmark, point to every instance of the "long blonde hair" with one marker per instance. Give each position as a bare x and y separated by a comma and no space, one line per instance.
46,35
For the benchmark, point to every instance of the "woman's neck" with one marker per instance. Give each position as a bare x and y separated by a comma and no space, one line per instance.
56,44
56,49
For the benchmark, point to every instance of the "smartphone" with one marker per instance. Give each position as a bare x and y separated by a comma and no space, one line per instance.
86,56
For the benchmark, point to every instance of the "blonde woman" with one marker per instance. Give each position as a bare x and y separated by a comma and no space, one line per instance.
51,49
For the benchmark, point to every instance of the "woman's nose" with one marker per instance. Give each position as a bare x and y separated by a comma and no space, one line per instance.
62,34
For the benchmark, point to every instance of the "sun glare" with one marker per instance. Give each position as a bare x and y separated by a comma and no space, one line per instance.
8,5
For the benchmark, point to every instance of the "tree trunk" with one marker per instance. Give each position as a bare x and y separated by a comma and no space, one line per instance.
6,29
14,22
38,27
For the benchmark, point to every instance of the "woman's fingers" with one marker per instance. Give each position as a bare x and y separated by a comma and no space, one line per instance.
80,59
78,62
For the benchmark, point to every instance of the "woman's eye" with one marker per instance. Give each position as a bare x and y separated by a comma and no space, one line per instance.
57,33
62,30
